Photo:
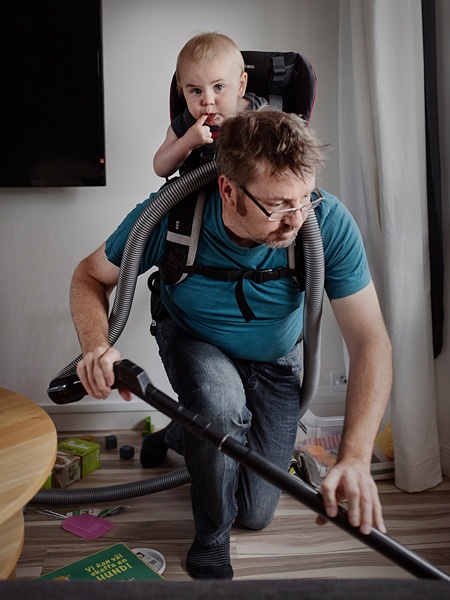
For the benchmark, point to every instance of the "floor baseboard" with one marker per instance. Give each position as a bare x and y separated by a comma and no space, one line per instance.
115,414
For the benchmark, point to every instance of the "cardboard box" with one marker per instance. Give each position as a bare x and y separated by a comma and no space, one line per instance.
66,470
89,453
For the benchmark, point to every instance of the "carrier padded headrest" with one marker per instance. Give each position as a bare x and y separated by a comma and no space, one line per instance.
272,75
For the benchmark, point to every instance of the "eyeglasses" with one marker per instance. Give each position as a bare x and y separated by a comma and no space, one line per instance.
278,215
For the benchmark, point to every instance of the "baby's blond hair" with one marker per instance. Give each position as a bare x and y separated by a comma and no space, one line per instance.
207,46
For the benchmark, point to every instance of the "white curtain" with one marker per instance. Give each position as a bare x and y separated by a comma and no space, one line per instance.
383,183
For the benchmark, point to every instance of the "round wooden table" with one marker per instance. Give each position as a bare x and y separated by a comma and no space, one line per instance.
28,444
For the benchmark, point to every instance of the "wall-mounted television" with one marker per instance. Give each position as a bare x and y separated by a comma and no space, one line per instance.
52,130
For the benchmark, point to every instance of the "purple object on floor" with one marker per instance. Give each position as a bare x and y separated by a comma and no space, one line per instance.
87,526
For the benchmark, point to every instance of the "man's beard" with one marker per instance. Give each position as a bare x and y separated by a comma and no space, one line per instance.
272,240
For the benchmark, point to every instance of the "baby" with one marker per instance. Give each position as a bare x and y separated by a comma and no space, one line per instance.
210,74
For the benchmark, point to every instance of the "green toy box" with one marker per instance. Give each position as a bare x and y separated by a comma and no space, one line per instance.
89,452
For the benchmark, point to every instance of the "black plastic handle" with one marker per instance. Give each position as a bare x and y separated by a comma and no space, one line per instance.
65,390
69,389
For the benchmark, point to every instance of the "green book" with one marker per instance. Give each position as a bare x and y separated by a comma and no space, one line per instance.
116,562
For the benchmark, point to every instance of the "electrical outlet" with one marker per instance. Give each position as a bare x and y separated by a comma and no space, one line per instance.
338,378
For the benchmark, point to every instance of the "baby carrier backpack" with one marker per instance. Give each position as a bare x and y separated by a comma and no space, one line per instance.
288,82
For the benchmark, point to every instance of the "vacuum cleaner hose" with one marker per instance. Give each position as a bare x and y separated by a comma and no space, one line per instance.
113,493
66,387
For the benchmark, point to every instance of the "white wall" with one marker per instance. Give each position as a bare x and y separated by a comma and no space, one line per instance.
44,233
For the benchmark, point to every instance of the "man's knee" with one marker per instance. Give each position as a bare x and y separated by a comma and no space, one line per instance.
255,521
218,397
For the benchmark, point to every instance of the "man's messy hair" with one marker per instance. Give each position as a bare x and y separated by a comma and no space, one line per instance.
270,142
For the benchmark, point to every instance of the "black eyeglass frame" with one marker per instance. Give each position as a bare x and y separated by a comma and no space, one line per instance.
305,208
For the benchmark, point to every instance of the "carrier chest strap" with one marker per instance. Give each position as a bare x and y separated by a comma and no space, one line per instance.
237,275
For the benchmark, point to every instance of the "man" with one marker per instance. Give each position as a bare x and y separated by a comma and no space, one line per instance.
244,374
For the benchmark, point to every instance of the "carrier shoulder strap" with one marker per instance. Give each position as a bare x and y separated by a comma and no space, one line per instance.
296,261
183,232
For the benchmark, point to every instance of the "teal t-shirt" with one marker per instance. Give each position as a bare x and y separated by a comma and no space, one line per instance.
207,308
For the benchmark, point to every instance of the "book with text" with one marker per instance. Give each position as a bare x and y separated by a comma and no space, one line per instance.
116,562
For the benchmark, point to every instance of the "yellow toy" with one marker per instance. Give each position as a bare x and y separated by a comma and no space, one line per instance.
385,442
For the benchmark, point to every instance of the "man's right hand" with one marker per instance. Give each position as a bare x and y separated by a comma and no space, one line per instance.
96,372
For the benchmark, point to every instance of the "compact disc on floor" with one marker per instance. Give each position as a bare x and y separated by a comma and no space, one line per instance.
152,557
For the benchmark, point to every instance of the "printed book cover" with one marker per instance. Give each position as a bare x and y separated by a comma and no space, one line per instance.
116,562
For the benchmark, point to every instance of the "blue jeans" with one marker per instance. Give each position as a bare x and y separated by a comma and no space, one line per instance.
256,403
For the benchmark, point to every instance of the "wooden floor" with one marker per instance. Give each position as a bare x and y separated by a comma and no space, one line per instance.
291,547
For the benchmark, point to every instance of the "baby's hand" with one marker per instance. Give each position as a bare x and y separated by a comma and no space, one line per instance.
198,134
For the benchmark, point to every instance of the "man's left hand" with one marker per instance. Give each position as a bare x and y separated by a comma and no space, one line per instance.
353,483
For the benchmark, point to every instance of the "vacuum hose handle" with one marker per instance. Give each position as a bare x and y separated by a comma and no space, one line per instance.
65,390
68,388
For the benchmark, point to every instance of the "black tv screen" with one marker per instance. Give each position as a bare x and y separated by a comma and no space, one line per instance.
52,129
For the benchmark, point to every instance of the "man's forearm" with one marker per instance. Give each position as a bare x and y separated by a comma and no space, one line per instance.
368,390
89,304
